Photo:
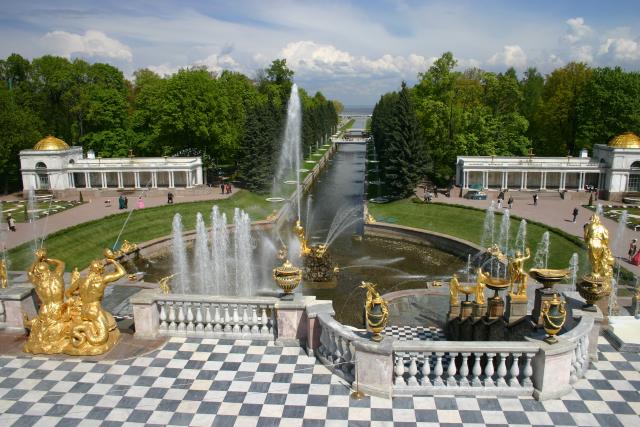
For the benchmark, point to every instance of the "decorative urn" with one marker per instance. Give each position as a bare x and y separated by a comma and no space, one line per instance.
377,318
554,315
592,290
548,277
287,276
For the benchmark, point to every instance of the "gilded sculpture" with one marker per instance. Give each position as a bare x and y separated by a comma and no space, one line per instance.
3,274
517,275
304,246
79,325
454,287
165,286
479,288
376,311
596,236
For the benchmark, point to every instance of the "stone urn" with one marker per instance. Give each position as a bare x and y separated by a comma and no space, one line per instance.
377,318
592,290
287,276
547,276
554,315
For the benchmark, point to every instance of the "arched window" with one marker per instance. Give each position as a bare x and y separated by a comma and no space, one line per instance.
71,161
43,176
635,165
634,177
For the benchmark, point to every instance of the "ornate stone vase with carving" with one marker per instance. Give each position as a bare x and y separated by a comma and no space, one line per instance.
287,276
554,315
592,290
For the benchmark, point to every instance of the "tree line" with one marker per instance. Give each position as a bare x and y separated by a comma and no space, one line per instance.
227,118
476,112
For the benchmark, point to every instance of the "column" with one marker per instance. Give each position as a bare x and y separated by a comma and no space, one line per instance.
120,183
188,179
485,179
87,180
505,179
581,182
465,180
154,179
563,180
543,181
170,179
523,180
103,178
136,179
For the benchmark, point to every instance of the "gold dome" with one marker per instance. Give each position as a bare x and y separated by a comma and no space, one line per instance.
51,143
625,140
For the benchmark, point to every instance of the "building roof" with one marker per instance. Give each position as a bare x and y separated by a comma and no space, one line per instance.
51,143
625,140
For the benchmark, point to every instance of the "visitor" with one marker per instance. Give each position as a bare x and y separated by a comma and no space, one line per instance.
11,222
575,213
435,192
636,259
170,198
126,202
633,248
222,187
140,203
535,199
121,204
228,188
501,196
510,202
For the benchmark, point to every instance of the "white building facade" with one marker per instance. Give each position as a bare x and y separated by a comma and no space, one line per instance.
53,165
614,169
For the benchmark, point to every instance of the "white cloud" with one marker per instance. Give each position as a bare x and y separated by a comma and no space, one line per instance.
218,62
582,53
621,49
164,69
577,31
511,56
91,43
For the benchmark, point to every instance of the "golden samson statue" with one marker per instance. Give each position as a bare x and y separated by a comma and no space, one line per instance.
78,325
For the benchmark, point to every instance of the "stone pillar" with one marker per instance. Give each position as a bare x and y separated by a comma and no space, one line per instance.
146,315
292,321
543,180
454,311
189,184
581,181
120,182
516,308
136,179
170,179
103,178
314,328
485,179
154,179
16,300
374,367
551,369
523,181
563,180
87,180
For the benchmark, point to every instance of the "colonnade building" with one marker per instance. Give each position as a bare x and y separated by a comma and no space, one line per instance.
614,169
53,165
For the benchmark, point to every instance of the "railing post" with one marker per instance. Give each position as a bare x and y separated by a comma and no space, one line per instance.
314,328
17,299
291,320
552,370
145,313
374,366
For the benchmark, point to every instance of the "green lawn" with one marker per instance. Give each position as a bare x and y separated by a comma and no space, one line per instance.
614,213
80,244
42,208
468,224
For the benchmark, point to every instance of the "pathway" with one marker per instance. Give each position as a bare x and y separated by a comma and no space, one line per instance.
96,209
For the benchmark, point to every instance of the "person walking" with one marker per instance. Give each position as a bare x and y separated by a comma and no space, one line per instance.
575,213
126,202
222,188
510,202
140,203
11,222
535,199
633,248
170,198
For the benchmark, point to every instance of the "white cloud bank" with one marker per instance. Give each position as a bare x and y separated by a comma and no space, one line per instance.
511,56
622,49
577,31
91,43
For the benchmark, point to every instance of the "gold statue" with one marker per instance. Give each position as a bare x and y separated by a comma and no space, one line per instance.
165,287
3,274
78,326
596,236
517,275
369,219
304,247
127,247
376,311
479,288
50,328
454,287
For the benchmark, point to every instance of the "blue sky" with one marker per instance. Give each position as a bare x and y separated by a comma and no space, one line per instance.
350,50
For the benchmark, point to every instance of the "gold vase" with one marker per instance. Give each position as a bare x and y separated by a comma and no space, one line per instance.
377,319
592,290
554,315
287,276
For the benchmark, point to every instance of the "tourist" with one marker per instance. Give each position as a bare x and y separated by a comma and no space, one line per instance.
435,192
140,203
126,202
633,248
501,196
11,222
170,198
636,259
510,202
121,204
535,199
575,213
228,188
222,188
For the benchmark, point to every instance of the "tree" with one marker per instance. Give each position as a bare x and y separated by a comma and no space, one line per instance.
279,73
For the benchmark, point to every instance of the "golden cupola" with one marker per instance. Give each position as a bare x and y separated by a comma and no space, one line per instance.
625,140
51,143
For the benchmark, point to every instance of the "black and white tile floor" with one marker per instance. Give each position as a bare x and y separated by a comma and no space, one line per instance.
203,382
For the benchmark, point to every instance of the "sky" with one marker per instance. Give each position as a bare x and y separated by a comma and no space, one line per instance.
352,51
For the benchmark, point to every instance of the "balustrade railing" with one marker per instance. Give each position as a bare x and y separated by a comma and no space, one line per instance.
454,367
212,317
336,347
580,358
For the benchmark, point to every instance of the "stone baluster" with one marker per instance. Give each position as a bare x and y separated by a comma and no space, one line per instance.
426,370
245,321
476,371
502,369
236,320
573,373
464,370
3,313
585,354
346,356
217,319
271,322
199,320
227,319
399,371
255,322
172,317
527,372
488,369
264,330
322,348
438,371
190,318
514,372
337,351
163,318
182,328
413,372
452,369
208,328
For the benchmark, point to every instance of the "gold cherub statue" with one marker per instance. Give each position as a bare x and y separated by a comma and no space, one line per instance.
3,274
517,275
304,246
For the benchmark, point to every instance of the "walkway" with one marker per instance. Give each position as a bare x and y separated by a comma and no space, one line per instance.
96,209
202,382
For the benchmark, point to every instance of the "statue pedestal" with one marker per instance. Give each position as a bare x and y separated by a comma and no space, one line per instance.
454,311
466,309
516,308
496,307
542,295
479,310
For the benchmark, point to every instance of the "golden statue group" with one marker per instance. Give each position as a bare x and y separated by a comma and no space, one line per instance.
71,321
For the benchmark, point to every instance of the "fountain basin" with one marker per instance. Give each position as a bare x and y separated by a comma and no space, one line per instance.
275,199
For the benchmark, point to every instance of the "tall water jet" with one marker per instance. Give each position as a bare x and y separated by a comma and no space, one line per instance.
503,239
346,217
622,227
243,253
219,250
488,229
599,210
180,268
521,237
32,208
290,155
202,255
542,252
573,269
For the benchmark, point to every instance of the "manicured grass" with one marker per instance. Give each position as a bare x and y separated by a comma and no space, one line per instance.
615,212
80,244
467,223
42,208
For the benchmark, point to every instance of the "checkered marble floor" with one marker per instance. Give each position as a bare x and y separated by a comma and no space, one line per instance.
230,382
417,333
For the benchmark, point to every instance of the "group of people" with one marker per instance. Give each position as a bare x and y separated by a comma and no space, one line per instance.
501,200
225,188
123,202
634,253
